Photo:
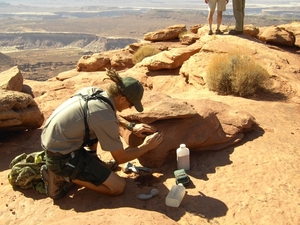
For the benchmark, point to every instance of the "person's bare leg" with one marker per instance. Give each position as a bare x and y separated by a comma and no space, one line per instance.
210,19
219,19
114,185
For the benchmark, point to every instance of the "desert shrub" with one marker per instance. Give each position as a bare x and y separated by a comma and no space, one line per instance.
143,52
218,75
235,74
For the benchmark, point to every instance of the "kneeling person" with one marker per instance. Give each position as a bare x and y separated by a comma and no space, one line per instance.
84,120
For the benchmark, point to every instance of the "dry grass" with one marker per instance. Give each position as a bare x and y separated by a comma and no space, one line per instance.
235,74
143,52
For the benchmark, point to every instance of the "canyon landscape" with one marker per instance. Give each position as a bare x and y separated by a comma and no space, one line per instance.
254,180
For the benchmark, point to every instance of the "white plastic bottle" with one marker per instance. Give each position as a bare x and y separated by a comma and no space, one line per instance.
183,157
175,195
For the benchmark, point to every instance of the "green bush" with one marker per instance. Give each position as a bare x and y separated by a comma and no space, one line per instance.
235,74
143,52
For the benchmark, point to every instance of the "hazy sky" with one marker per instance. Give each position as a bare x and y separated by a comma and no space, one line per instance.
149,3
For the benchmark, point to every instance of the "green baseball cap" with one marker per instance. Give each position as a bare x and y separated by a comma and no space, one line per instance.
133,90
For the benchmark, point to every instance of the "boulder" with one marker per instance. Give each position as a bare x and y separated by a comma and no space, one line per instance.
194,28
188,38
67,75
94,62
169,33
251,30
293,28
117,59
192,72
196,123
18,112
121,59
171,59
11,79
277,36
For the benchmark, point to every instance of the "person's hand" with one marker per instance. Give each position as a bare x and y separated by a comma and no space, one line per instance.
153,140
142,129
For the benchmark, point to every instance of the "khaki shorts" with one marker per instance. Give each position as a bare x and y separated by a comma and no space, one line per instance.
221,5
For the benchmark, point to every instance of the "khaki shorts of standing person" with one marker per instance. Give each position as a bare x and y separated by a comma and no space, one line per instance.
220,4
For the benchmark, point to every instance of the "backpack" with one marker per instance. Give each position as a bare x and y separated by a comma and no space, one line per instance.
25,171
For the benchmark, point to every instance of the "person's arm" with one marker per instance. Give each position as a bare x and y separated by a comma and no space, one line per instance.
122,122
139,129
150,142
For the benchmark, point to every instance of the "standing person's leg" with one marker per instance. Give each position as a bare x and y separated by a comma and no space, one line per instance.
219,19
238,12
211,8
243,13
210,19
221,7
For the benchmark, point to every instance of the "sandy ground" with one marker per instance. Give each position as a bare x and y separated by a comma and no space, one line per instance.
254,182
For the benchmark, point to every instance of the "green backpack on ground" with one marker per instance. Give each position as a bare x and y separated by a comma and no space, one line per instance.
25,171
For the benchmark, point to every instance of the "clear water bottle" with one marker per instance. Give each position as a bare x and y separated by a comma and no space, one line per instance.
175,195
183,157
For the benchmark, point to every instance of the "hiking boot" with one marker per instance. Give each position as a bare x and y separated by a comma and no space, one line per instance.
235,32
56,186
219,32
210,32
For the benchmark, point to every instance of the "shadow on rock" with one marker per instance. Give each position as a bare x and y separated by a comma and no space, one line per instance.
163,72
267,95
30,193
252,135
13,144
204,163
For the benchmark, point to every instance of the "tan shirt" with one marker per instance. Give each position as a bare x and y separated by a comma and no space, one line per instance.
64,130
